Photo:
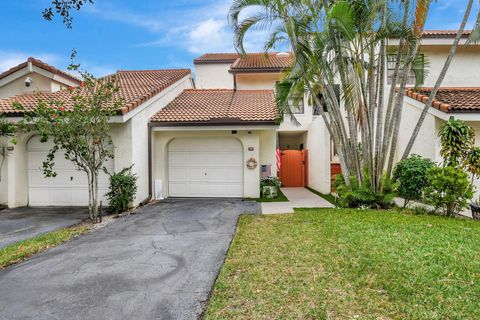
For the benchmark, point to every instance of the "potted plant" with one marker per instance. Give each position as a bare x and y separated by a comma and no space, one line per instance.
269,187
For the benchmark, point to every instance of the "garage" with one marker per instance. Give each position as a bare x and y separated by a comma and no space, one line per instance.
205,167
68,188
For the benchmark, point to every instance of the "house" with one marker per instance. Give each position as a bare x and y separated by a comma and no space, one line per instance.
217,136
144,93
459,97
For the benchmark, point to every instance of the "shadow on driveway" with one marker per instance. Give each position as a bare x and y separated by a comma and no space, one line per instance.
25,223
158,264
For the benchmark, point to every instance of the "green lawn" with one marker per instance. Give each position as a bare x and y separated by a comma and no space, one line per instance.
24,249
350,264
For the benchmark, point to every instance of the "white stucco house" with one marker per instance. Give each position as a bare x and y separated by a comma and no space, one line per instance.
217,135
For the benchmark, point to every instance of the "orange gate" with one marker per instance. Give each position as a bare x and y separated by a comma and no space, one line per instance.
294,168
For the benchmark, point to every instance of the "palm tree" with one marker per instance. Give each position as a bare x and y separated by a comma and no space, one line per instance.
345,43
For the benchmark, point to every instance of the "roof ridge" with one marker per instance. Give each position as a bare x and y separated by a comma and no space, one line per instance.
154,70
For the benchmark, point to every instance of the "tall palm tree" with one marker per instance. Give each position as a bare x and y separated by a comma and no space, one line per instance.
345,43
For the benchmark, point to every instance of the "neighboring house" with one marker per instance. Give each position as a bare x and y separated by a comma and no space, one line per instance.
34,76
144,93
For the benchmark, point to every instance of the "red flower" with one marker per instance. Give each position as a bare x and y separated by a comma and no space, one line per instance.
70,88
61,108
82,84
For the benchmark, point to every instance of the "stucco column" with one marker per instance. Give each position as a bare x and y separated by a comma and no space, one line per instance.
251,177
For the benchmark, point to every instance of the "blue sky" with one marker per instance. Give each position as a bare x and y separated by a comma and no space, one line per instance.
140,34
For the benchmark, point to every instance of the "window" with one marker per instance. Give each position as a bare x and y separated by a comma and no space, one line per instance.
296,105
417,69
316,111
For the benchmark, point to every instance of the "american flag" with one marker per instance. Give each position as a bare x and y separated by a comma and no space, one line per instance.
279,157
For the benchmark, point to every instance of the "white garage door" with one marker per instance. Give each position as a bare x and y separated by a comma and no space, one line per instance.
68,188
205,167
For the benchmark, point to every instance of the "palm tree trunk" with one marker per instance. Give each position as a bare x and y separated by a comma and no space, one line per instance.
439,81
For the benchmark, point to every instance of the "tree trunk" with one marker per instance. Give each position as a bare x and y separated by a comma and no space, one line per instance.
428,104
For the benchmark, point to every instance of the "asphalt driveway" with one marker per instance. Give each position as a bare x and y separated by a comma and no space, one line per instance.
24,223
158,264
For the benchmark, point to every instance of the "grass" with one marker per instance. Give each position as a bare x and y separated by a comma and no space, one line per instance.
350,264
280,198
22,250
329,197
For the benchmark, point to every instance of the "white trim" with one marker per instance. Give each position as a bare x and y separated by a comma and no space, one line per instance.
124,118
215,128
14,76
443,115
433,42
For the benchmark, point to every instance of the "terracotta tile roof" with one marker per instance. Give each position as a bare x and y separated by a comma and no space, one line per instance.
450,99
444,33
135,87
217,58
272,62
42,65
219,106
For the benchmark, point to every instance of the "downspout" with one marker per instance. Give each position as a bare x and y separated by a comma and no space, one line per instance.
150,191
234,82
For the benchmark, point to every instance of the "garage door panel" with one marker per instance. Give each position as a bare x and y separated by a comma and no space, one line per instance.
68,188
211,167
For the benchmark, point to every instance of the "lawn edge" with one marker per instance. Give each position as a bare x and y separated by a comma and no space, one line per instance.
206,303
329,197
84,227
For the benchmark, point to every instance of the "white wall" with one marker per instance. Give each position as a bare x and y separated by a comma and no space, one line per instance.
40,84
213,76
426,144
318,146
262,142
257,81
463,70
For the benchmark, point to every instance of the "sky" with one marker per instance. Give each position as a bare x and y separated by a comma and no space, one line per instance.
112,35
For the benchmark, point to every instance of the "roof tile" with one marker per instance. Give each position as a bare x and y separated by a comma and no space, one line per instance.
135,87
219,106
460,99
42,65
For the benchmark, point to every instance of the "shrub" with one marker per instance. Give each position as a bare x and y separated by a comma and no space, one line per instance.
411,176
449,189
123,187
456,138
357,195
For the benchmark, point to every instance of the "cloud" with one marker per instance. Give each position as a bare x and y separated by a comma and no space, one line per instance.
209,35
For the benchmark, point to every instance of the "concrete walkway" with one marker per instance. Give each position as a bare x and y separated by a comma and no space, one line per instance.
299,198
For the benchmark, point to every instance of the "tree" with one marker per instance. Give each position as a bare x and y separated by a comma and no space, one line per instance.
79,127
345,43
63,8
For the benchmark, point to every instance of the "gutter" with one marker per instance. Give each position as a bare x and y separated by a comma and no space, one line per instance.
150,180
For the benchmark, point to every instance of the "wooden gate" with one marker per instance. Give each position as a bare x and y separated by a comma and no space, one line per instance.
293,171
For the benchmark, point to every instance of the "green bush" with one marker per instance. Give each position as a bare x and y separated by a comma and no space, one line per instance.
449,189
123,187
456,139
411,177
360,195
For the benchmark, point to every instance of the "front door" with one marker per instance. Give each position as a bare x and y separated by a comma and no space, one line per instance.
293,171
